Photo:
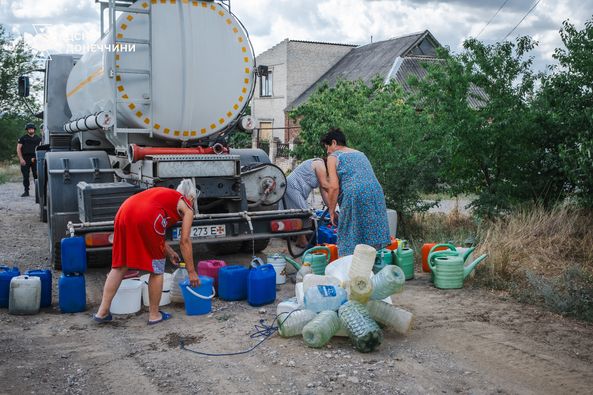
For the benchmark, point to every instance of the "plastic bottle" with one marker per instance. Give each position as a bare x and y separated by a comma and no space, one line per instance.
365,334
321,329
179,276
311,280
360,289
292,324
399,320
299,293
325,297
390,280
303,271
288,306
362,261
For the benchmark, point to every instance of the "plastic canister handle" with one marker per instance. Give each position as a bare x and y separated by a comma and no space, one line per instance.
191,291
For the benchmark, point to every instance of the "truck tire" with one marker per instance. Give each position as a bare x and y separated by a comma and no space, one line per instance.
259,245
231,247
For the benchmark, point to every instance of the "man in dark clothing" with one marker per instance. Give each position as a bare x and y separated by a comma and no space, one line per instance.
25,150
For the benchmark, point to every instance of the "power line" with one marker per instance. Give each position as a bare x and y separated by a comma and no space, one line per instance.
522,19
499,8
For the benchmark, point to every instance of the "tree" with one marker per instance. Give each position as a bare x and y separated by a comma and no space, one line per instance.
479,103
16,59
569,91
378,121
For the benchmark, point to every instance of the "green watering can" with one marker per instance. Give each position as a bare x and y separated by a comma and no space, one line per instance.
404,258
317,257
448,266
384,258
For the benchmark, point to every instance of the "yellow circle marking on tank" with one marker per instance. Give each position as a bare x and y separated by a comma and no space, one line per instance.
229,114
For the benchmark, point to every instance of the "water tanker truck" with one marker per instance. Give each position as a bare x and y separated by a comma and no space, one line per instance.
154,101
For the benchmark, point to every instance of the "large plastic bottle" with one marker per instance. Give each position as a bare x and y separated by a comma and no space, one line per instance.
321,329
325,297
399,319
288,306
292,324
360,289
390,280
179,276
303,271
362,261
311,280
364,331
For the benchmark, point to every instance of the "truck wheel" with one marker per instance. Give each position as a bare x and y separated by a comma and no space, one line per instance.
56,255
260,245
225,248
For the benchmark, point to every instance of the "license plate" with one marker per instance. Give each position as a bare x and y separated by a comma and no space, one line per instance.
201,232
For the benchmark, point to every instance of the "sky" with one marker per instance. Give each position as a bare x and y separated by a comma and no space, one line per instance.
57,26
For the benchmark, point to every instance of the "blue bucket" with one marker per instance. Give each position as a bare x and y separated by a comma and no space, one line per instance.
198,301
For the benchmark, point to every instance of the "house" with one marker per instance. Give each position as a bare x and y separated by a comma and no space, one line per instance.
301,72
286,71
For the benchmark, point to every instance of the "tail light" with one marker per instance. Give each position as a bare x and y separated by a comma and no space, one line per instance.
98,239
286,225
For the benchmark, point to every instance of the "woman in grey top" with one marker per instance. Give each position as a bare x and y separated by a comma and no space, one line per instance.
307,176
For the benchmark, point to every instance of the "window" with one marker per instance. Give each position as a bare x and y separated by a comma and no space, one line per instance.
265,84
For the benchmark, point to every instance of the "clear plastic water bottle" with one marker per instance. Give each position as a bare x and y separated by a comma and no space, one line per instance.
399,320
365,333
319,331
390,280
311,280
360,289
292,324
363,261
179,275
325,297
303,271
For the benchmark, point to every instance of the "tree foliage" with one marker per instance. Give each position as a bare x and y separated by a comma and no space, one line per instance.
16,59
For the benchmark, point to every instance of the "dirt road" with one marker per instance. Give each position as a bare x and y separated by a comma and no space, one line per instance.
464,341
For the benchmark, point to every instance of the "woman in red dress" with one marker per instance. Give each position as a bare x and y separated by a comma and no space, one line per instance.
139,243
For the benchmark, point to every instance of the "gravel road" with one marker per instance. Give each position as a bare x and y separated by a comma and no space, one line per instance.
463,341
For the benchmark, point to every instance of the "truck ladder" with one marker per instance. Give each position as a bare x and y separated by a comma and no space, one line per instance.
116,71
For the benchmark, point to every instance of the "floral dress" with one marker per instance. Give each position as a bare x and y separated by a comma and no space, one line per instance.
363,213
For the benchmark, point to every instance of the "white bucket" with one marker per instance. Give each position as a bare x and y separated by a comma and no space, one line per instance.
165,296
128,298
279,264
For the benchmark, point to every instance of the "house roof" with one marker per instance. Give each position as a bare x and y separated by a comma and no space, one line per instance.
367,61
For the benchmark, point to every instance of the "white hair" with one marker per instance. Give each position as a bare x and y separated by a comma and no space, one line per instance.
187,188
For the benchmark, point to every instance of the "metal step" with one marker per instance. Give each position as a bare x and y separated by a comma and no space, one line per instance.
132,71
132,131
132,41
132,10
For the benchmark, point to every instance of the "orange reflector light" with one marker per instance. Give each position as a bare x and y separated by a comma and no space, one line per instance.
98,239
286,225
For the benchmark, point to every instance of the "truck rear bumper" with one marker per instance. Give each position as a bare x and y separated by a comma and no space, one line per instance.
240,227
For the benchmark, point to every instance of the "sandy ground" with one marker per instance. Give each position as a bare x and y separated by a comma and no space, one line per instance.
464,341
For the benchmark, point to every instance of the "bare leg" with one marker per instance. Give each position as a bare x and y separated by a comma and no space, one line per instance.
112,283
155,289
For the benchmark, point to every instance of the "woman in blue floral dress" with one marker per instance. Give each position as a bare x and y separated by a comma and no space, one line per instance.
354,187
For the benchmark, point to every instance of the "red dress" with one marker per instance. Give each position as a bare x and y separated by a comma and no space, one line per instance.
140,226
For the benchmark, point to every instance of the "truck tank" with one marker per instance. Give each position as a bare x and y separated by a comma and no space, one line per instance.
184,70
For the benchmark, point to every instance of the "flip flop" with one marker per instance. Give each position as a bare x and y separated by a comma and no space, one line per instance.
164,317
103,320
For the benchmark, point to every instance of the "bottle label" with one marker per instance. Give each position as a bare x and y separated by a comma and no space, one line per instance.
327,291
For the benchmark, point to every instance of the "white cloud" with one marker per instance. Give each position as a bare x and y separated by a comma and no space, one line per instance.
344,21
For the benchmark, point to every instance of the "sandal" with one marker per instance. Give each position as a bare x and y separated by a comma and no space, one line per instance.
164,317
102,320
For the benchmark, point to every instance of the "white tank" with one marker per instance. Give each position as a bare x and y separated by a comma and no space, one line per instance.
202,71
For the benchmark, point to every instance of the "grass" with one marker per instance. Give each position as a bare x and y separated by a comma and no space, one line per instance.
9,172
538,256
